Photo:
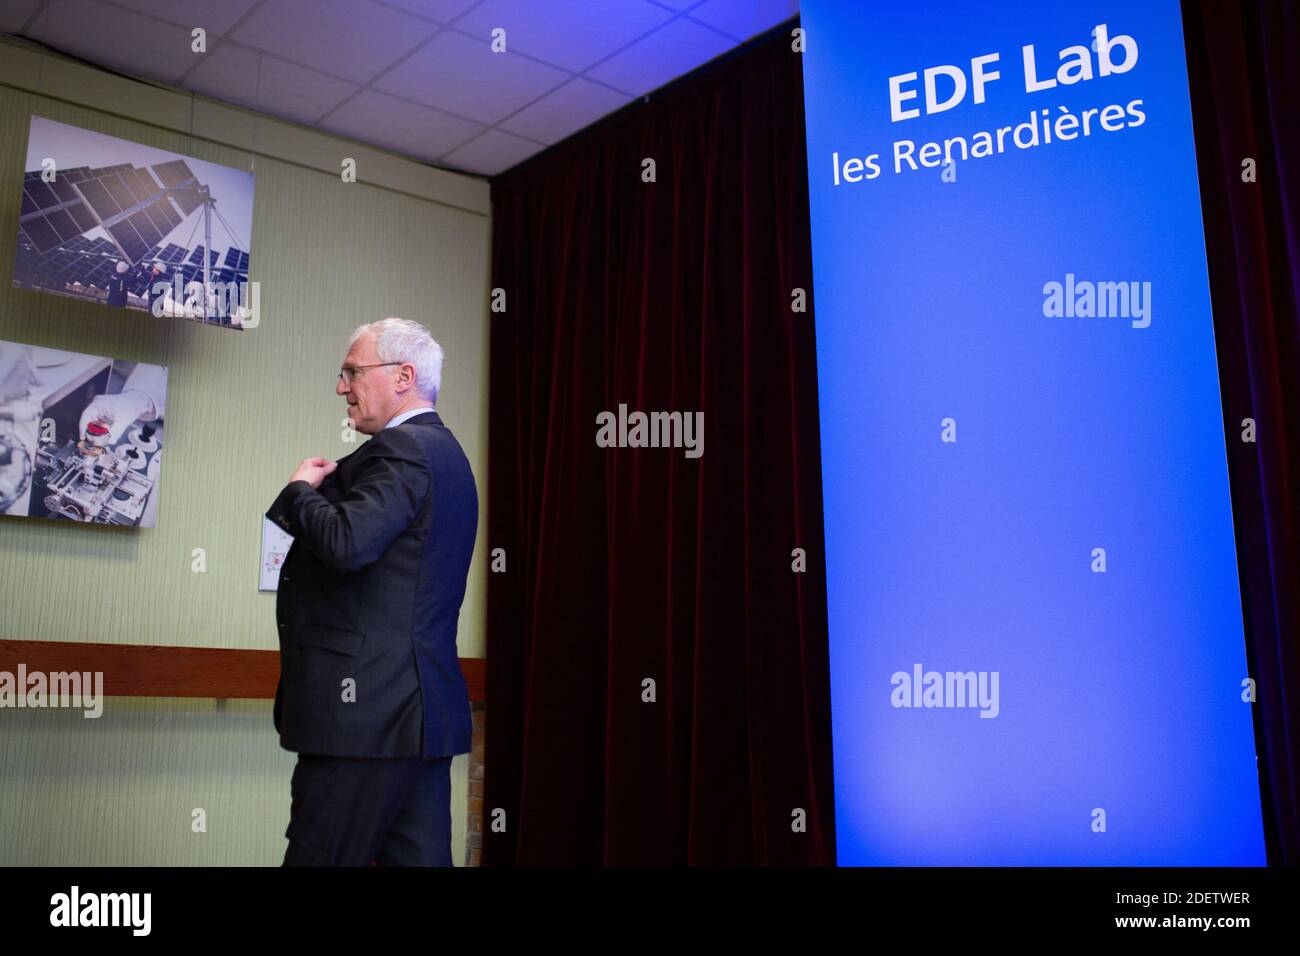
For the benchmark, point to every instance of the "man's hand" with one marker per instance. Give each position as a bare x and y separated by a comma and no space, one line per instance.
314,471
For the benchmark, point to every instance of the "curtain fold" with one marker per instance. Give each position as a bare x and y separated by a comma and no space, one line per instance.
658,682
1245,86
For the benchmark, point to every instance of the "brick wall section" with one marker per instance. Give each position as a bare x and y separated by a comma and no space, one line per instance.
474,841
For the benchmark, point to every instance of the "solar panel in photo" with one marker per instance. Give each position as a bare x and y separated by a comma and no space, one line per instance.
157,220
180,179
63,189
188,199
117,189
146,185
129,240
85,221
67,268
175,173
148,231
42,195
103,204
53,248
164,209
58,225
41,233
64,225
142,185
131,186
52,265
25,263
169,212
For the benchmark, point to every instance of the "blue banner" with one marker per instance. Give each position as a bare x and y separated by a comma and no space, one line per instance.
1036,632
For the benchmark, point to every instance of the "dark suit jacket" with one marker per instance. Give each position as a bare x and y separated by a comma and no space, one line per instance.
371,590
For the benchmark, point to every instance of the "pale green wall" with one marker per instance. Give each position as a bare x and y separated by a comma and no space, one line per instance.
242,409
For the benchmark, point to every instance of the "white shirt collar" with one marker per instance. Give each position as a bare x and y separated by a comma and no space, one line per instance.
409,413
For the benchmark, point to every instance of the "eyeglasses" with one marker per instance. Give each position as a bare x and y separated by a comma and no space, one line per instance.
348,373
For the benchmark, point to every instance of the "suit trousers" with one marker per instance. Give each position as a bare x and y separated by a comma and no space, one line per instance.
354,811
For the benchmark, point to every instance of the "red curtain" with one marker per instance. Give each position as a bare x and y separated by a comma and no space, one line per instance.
622,566
1245,84
628,565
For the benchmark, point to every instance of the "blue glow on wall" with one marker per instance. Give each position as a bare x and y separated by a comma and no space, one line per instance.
985,432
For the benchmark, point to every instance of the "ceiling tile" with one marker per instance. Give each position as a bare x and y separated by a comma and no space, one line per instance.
745,18
300,93
443,11
14,14
239,74
572,34
353,39
576,104
227,72
402,126
463,75
116,38
493,152
215,18
664,55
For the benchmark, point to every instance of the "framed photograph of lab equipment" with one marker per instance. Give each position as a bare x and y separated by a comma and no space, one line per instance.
81,436
122,224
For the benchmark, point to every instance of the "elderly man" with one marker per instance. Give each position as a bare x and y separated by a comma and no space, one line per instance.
371,694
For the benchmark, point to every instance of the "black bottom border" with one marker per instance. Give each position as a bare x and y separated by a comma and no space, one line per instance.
211,905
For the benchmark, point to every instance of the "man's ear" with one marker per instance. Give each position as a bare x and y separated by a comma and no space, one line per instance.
405,376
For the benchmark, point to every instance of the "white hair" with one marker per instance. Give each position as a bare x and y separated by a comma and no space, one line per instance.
401,340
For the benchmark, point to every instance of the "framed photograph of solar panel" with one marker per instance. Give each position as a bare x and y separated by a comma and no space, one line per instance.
118,223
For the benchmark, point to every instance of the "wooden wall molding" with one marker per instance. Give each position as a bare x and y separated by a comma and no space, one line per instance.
153,670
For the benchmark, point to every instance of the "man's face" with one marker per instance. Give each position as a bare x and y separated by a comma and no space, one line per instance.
371,395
